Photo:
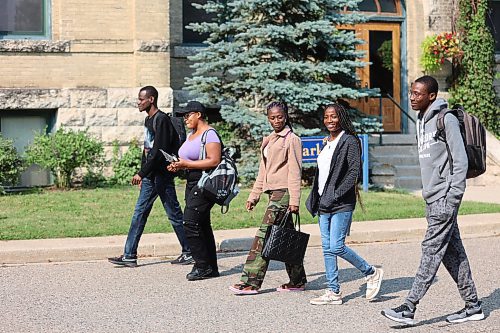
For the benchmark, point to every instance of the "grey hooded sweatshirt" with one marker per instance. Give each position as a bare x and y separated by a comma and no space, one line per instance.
437,181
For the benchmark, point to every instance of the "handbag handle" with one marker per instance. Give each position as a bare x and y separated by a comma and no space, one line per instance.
297,221
285,218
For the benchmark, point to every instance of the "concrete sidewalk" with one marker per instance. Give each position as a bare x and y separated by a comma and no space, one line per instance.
166,245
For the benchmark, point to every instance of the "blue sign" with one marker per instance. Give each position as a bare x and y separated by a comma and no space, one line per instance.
312,145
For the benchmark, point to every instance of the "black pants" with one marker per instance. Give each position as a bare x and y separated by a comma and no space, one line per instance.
197,224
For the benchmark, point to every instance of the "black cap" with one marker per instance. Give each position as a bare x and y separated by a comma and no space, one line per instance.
192,106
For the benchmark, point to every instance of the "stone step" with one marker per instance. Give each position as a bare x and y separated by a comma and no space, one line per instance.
407,171
393,139
410,183
394,150
395,160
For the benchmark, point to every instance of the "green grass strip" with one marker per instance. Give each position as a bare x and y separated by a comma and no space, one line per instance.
107,211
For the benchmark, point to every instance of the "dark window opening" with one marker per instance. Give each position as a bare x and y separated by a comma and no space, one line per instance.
494,22
190,14
381,69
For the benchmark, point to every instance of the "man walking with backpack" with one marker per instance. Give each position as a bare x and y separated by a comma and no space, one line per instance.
443,188
154,180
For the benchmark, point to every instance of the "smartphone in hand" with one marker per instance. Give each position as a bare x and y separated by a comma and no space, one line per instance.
169,157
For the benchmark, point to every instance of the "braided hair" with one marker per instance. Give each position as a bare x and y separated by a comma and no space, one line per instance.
284,108
346,124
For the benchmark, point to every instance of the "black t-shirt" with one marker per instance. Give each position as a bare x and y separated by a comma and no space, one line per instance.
163,137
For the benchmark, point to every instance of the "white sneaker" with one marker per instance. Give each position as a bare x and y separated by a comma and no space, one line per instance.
329,297
373,283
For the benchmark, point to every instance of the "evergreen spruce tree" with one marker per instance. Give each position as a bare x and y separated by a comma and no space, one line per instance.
259,51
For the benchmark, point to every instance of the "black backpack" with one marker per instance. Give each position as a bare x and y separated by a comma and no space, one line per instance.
179,127
219,185
473,136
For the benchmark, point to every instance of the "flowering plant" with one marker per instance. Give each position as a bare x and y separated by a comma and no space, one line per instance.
438,48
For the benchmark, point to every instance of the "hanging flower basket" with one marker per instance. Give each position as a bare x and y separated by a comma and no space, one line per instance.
436,49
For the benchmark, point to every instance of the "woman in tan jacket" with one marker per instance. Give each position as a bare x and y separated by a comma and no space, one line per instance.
279,176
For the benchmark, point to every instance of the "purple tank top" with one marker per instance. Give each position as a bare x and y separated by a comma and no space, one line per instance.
190,149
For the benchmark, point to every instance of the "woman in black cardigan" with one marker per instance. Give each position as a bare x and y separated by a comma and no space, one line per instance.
333,198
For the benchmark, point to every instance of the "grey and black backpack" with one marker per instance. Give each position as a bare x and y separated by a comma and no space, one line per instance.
473,136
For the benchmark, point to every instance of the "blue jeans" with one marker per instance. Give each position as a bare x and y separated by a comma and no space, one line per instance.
157,185
334,228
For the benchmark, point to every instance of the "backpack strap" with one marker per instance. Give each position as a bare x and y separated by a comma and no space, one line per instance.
154,120
441,135
223,208
203,152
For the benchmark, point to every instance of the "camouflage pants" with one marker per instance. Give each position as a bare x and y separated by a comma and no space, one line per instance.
255,266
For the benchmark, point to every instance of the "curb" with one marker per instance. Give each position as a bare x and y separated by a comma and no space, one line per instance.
166,245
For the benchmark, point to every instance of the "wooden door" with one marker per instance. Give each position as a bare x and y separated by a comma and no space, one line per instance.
382,51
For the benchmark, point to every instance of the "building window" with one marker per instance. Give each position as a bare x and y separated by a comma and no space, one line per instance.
21,126
190,14
494,22
24,18
380,6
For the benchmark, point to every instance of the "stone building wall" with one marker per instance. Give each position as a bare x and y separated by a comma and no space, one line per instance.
99,54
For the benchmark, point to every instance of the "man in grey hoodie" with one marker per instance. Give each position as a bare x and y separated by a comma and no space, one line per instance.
442,192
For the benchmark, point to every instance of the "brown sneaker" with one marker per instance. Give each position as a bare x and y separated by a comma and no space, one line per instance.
291,287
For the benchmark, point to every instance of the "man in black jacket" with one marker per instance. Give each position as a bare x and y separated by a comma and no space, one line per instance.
154,180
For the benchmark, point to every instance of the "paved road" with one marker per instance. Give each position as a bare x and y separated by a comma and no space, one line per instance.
94,296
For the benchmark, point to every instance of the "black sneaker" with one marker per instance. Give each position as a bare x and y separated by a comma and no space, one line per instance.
200,274
183,259
401,314
471,312
124,261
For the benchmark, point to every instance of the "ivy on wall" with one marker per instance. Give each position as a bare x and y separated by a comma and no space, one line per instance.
473,86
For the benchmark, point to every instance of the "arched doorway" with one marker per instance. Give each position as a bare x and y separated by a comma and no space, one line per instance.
382,49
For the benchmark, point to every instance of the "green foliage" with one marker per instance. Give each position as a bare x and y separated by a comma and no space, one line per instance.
259,51
63,152
126,165
94,178
436,49
385,53
11,164
474,86
427,60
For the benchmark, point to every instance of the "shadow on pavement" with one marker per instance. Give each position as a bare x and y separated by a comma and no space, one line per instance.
238,269
491,302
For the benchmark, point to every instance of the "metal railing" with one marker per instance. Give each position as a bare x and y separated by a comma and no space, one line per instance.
403,129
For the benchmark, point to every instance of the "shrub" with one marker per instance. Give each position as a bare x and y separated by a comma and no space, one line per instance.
11,165
63,152
126,165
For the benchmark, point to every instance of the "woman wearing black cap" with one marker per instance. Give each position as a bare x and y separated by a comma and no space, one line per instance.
197,211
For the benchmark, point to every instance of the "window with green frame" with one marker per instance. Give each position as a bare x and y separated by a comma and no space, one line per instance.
24,18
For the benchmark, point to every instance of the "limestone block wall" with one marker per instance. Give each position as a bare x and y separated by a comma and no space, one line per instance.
425,17
108,114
